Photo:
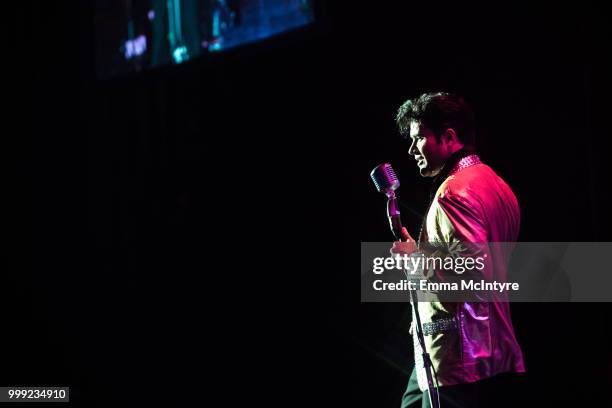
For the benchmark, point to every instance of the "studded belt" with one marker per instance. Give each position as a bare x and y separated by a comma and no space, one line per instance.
439,326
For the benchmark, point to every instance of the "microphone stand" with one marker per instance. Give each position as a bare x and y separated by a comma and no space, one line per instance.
427,364
396,227
386,182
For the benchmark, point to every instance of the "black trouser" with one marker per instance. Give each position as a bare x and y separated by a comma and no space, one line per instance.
499,391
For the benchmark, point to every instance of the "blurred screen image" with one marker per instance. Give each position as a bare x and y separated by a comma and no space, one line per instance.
133,35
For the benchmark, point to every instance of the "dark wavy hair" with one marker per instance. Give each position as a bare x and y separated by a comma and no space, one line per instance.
439,111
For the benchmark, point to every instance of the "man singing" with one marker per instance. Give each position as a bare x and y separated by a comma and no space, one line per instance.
469,342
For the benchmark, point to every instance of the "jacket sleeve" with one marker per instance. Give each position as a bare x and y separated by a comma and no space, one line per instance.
457,227
460,218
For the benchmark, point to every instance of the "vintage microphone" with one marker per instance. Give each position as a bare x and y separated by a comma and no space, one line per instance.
386,181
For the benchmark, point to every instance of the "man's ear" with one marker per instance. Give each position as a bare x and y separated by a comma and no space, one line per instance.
449,137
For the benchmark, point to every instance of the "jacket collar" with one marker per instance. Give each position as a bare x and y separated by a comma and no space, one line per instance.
460,160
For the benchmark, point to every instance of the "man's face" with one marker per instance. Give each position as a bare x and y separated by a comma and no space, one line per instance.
429,153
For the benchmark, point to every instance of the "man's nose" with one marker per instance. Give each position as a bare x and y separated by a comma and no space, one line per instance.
412,150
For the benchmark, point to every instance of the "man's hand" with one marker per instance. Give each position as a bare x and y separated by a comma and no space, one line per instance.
405,247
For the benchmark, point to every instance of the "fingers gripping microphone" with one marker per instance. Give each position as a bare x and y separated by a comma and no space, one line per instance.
386,181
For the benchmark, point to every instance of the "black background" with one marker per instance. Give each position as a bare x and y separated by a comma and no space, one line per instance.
192,232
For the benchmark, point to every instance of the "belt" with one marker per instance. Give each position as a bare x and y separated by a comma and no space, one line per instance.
439,326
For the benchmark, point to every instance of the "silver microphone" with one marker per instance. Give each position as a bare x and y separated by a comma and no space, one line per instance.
386,181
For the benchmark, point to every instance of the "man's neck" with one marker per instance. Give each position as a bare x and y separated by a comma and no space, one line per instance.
449,164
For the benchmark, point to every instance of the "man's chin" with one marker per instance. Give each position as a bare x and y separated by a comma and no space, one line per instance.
428,172
425,172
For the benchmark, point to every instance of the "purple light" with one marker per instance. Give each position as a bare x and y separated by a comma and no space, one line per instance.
151,15
135,47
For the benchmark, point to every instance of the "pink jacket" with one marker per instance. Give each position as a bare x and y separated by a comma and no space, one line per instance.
470,341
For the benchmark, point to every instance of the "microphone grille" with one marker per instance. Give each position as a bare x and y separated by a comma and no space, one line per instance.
384,178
